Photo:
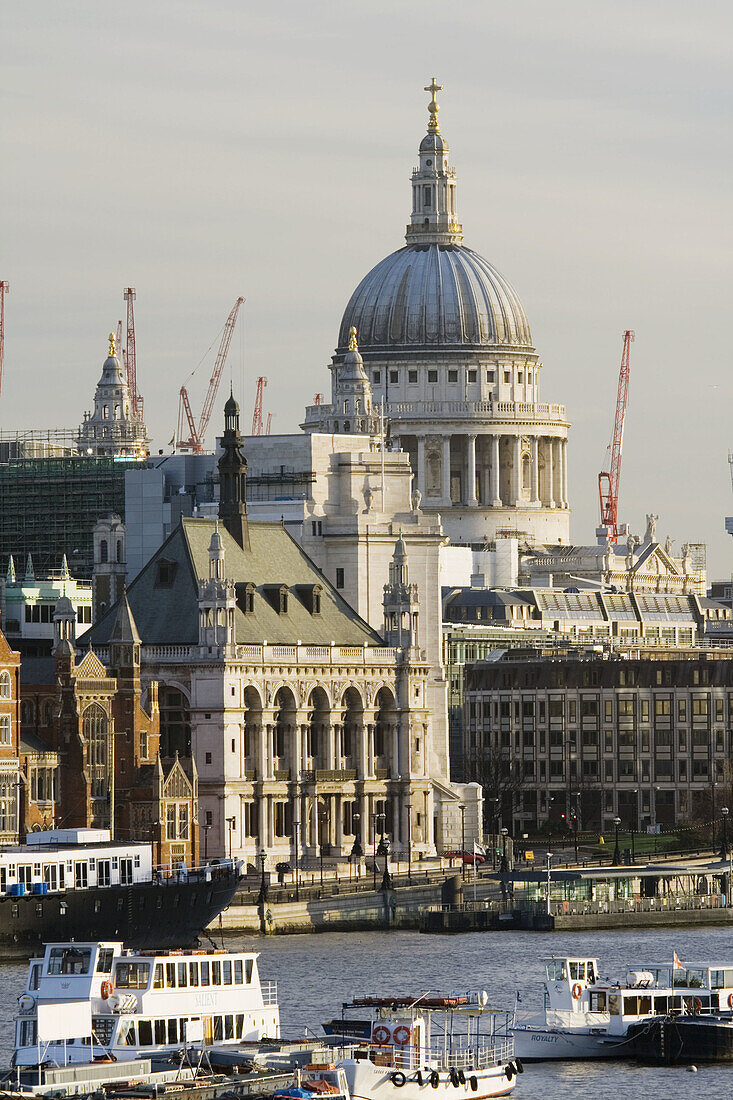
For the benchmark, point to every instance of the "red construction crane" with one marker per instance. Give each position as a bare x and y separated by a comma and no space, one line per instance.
196,435
128,356
269,423
318,399
608,483
4,289
257,415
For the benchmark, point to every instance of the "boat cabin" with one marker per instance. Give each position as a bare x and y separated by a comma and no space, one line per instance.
89,1000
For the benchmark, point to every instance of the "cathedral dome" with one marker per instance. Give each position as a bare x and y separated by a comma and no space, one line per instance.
431,296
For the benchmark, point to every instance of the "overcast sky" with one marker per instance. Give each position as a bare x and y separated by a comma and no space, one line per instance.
199,151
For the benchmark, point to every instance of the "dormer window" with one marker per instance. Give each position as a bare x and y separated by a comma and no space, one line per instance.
310,594
246,597
277,594
165,572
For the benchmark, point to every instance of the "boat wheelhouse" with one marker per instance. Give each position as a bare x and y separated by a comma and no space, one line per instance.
454,1043
93,1000
586,1016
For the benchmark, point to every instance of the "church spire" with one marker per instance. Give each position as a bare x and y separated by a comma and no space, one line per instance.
233,477
433,219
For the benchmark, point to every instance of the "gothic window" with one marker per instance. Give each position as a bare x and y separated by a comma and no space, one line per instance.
6,731
8,817
95,729
144,744
27,713
5,685
103,551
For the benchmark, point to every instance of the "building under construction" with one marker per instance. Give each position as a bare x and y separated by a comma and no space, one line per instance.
49,506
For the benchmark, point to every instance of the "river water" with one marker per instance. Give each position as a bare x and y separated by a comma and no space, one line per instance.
316,973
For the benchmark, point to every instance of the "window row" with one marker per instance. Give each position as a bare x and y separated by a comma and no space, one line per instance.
453,376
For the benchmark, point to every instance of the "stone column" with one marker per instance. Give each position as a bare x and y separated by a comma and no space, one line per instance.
262,821
446,469
370,750
550,467
564,471
557,469
395,744
262,751
337,805
421,482
295,751
330,735
535,474
494,498
516,471
470,495
304,746
396,830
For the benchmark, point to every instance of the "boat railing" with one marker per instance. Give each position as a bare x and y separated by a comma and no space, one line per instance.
269,993
463,1054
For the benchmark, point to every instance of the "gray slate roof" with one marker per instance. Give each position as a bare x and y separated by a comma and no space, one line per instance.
165,609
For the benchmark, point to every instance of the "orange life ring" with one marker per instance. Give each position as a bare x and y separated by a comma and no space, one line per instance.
730,1000
106,990
577,991
401,1035
381,1035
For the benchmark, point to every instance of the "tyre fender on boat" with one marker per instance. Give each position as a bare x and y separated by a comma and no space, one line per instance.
473,1082
454,1078
509,1071
434,1079
577,991
398,1078
418,1078
518,1065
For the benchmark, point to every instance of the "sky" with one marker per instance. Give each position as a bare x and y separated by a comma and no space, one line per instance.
202,151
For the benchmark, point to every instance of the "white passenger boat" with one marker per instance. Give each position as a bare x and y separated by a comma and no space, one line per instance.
588,1017
431,1045
87,1001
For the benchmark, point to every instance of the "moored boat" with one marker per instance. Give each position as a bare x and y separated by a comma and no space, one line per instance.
88,1001
451,1045
588,1017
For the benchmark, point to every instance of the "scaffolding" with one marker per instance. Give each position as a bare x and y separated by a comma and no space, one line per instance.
49,507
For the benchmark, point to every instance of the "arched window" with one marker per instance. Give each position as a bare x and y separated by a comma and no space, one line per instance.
6,687
6,730
95,729
119,550
103,551
27,713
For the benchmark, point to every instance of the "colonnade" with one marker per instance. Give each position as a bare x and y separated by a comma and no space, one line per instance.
489,469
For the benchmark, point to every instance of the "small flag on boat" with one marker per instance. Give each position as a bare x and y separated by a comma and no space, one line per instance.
677,965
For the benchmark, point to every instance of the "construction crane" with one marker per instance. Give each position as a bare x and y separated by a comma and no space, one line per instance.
318,399
608,482
4,289
269,423
128,356
257,415
186,423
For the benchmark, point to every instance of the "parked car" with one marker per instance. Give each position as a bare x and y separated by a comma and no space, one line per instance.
466,857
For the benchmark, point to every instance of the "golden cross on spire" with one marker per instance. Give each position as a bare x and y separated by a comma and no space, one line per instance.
433,87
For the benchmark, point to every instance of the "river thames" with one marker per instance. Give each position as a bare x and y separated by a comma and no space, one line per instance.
316,973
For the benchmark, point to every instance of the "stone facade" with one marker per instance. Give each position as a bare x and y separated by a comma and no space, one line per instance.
647,739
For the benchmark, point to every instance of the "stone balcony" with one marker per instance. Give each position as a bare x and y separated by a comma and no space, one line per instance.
476,410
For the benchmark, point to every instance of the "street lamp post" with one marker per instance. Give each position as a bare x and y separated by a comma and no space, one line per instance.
724,844
262,897
356,849
383,850
408,820
296,830
322,815
375,820
504,862
634,824
462,808
549,879
616,851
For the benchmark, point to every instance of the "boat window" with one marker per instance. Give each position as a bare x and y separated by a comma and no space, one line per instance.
591,971
104,960
577,971
205,973
193,973
170,975
697,978
240,1026
614,1004
555,970
182,976
645,1006
631,1006
721,979
173,1031
661,1006
216,973
69,960
238,972
226,972
158,976
27,1033
160,1036
145,1033
126,1036
132,975
228,1027
249,967
34,978
218,1028
598,1002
